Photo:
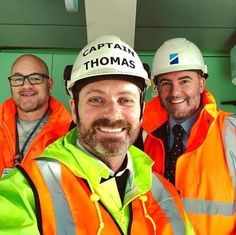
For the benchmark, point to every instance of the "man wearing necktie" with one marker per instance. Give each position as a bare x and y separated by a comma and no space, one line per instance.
200,161
175,151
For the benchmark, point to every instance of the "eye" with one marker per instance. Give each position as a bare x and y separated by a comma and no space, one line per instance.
18,79
96,100
36,78
184,81
163,84
126,101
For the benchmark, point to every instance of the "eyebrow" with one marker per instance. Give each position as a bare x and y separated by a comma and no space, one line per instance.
125,92
179,78
17,73
184,77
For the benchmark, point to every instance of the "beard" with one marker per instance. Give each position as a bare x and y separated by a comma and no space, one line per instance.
182,113
107,146
26,107
31,105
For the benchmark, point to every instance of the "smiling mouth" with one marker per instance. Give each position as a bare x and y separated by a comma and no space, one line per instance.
27,94
177,101
110,130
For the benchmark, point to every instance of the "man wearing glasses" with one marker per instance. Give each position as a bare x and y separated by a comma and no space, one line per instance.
32,118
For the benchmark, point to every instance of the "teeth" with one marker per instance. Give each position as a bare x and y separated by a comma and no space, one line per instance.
177,101
27,94
104,129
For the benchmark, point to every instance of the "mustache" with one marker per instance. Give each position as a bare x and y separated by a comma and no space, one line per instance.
107,123
26,90
170,98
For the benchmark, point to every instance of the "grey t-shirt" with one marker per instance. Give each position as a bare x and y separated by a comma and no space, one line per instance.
25,129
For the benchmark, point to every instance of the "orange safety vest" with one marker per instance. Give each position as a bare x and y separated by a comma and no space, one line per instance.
56,126
65,204
205,174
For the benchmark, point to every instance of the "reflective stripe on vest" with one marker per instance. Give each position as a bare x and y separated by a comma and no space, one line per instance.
144,135
51,172
198,206
229,140
230,145
168,205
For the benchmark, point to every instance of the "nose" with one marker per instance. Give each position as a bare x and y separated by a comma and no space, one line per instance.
175,89
112,111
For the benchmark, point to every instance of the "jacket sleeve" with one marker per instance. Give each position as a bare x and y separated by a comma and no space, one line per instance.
229,140
171,204
17,213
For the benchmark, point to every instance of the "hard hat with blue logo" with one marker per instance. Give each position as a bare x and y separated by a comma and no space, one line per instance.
178,54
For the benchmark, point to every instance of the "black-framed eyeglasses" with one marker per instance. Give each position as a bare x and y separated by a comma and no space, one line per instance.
34,79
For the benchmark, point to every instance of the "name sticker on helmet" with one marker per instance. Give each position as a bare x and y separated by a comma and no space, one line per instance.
120,60
108,45
109,60
174,59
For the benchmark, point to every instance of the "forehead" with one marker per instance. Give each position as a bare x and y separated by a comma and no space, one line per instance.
27,65
178,74
110,87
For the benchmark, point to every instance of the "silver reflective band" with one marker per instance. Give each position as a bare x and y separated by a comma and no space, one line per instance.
229,140
51,172
167,204
144,135
207,207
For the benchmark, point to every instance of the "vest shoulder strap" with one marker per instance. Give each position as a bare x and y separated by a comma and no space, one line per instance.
166,201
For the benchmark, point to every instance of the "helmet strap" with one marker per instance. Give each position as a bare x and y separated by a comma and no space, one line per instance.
142,97
76,102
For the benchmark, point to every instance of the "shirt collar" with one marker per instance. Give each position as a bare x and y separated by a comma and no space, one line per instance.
187,124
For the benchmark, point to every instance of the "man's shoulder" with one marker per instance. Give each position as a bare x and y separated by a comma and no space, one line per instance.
8,103
232,117
227,117
59,113
54,103
7,110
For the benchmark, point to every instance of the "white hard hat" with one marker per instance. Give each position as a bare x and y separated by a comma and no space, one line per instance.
178,54
107,55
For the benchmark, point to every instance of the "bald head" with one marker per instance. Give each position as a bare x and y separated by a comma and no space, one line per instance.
27,64
32,100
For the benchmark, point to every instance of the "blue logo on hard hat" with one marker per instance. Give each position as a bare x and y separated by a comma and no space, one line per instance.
174,59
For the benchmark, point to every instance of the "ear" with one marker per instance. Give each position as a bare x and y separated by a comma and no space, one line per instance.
202,82
73,110
50,84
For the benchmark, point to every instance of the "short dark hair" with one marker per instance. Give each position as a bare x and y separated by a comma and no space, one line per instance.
200,73
66,76
81,83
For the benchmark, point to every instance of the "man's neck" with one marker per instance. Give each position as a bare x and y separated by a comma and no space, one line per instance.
32,116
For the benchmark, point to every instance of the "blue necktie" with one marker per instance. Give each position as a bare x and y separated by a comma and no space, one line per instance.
176,150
